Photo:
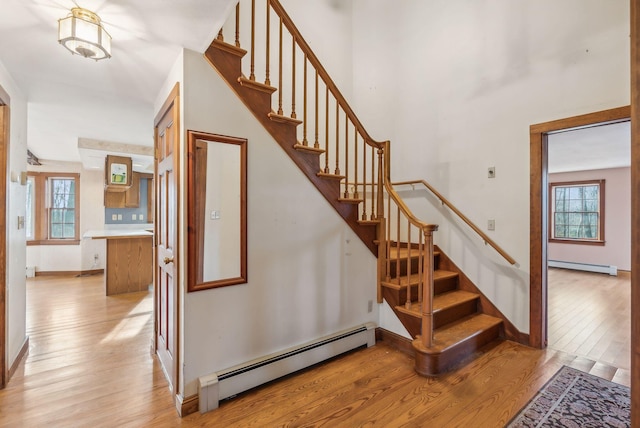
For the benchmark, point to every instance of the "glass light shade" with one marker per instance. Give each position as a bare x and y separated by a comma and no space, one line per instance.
82,34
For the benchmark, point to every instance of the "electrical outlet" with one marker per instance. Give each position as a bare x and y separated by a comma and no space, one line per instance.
114,217
119,217
134,217
491,225
492,172
140,217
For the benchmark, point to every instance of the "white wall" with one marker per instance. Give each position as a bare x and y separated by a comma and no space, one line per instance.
326,26
16,205
455,87
617,227
309,275
47,258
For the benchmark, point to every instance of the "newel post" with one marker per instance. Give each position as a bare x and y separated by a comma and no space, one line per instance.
380,193
427,301
382,255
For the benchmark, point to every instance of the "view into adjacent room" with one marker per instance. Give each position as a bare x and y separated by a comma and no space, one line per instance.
84,306
589,249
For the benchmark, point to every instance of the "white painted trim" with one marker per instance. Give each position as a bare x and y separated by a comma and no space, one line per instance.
611,270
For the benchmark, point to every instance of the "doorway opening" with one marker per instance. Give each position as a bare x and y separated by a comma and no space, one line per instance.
539,210
589,245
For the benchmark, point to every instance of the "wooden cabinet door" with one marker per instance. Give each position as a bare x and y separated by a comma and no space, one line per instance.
128,199
132,196
114,199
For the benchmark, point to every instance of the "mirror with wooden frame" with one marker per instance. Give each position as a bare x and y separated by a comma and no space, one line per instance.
216,210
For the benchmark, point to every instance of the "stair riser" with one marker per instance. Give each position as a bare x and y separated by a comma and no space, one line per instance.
451,314
414,265
403,267
445,284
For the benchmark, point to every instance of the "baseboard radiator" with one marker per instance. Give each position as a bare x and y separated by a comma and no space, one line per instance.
226,383
611,270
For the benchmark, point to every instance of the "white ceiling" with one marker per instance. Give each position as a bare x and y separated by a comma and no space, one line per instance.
596,147
71,97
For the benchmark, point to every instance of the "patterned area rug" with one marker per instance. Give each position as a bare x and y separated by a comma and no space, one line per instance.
573,398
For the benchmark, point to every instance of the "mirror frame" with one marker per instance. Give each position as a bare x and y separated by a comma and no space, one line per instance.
196,191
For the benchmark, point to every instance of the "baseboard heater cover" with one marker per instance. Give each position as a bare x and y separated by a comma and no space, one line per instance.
217,386
611,270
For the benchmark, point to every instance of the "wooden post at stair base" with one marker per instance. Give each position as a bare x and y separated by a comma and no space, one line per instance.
427,301
380,200
383,243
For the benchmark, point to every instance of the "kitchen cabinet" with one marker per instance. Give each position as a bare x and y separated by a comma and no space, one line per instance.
129,264
127,199
117,173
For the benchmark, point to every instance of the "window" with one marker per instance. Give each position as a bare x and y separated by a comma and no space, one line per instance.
53,214
577,212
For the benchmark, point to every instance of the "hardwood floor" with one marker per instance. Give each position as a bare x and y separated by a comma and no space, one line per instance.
590,316
89,365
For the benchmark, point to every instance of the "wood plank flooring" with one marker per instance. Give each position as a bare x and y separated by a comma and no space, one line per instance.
590,316
89,365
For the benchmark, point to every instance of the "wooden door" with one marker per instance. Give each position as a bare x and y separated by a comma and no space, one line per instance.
167,131
4,150
635,213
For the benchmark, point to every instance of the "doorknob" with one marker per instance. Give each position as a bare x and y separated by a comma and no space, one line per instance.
168,260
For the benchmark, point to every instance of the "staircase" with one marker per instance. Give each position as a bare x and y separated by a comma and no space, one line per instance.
436,303
459,326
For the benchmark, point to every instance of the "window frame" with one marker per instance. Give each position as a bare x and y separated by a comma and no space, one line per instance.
601,211
42,214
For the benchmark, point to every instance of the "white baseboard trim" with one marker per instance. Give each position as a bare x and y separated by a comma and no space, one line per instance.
611,270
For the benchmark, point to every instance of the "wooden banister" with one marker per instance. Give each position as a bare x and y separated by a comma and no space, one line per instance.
300,41
464,218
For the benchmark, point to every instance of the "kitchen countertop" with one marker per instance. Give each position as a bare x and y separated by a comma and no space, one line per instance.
117,233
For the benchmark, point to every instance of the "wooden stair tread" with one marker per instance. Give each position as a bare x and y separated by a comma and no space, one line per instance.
404,253
308,148
452,334
414,279
351,200
227,47
256,85
368,222
440,302
330,176
284,119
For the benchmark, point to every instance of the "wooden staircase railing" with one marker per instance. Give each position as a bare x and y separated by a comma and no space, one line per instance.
405,230
307,96
464,218
332,144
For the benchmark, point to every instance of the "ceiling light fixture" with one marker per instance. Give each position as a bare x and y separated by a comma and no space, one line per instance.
82,34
